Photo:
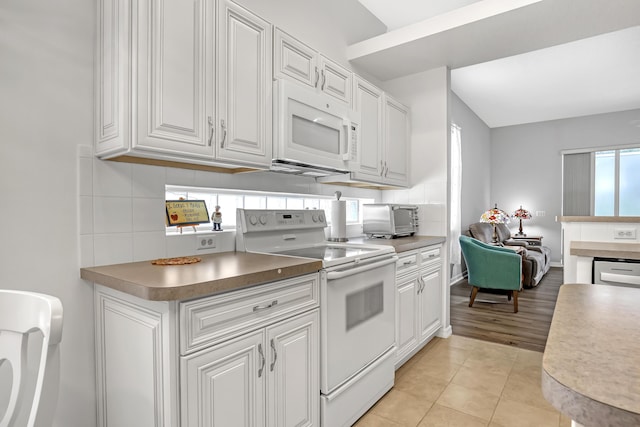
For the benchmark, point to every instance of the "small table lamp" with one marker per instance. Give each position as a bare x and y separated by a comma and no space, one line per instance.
495,216
521,214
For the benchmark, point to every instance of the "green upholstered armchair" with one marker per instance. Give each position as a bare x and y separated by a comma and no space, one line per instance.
492,267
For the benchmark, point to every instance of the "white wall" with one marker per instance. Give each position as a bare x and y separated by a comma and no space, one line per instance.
526,164
476,161
46,113
46,82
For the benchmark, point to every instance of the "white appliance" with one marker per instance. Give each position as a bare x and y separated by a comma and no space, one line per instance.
357,303
616,272
312,130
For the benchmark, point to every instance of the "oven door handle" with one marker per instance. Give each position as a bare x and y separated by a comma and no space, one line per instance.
334,275
620,278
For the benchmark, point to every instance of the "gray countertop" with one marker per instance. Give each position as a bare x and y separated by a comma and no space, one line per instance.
605,249
220,272
591,360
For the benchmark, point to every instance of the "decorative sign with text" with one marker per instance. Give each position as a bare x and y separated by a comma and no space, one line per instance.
186,212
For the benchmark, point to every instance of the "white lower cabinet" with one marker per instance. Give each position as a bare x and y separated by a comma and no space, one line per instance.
265,378
243,358
418,300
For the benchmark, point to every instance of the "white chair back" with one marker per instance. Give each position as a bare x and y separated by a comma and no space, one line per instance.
22,313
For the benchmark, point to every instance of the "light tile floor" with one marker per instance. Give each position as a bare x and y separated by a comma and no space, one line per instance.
465,382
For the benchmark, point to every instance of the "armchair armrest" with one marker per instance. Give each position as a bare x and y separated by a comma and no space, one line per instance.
511,242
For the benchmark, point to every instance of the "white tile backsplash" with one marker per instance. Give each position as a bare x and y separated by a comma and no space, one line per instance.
148,214
114,248
149,245
111,178
148,181
85,176
86,251
112,215
175,176
181,245
85,215
122,213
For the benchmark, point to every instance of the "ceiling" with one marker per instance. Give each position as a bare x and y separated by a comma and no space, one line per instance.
514,61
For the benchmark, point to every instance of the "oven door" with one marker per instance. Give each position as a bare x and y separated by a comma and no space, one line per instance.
403,219
357,313
312,129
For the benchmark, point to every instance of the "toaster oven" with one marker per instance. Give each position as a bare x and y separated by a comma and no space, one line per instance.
389,220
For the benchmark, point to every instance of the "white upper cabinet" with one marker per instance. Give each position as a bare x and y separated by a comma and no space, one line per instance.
296,61
383,141
176,82
396,151
368,101
244,95
155,78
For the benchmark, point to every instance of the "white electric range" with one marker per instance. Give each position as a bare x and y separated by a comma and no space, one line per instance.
357,306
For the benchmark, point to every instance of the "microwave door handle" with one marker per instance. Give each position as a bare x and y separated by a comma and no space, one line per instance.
346,123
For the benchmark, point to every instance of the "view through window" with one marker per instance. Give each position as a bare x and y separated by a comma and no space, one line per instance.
602,183
230,200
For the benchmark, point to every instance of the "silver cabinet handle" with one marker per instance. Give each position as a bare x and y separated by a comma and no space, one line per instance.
261,353
386,169
317,77
210,119
421,281
382,168
324,80
264,307
407,262
275,355
224,133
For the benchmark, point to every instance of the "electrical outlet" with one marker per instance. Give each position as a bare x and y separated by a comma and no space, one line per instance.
205,242
624,233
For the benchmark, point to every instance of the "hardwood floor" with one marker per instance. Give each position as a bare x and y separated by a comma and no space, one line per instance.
492,318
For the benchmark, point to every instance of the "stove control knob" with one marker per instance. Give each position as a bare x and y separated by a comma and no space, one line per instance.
321,218
253,219
263,219
314,217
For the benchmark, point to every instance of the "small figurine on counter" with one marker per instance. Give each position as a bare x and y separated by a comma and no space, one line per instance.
216,217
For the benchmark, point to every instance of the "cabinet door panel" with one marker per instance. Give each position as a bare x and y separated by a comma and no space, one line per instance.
295,60
368,102
431,303
224,386
397,143
112,117
335,80
294,388
406,313
245,86
175,77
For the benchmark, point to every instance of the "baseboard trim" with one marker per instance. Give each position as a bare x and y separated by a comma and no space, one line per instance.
444,332
556,264
457,279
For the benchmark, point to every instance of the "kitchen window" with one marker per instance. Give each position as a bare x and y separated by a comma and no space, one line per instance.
230,200
602,182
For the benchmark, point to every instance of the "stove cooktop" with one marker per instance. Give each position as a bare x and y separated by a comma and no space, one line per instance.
329,253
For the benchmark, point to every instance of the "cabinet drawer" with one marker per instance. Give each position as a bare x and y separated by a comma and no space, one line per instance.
407,263
428,255
214,319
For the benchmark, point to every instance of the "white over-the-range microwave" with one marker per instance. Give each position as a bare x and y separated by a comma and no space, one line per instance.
313,133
